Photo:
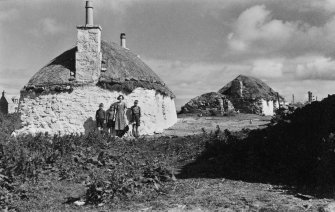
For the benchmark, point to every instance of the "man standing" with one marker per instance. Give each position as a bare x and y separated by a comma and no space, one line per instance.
136,116
100,117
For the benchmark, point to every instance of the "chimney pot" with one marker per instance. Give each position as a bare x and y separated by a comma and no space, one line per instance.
89,13
123,40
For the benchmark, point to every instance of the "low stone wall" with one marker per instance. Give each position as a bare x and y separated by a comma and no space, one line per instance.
74,112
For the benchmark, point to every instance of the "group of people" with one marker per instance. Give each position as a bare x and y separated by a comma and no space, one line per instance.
116,119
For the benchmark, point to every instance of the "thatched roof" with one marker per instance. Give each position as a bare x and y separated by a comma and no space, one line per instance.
125,71
253,88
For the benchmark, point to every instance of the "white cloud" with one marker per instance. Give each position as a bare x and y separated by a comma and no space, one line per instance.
47,26
328,5
8,15
51,26
317,67
116,5
267,68
188,80
256,33
12,79
256,24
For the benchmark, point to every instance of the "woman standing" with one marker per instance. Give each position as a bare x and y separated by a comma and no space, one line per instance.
120,115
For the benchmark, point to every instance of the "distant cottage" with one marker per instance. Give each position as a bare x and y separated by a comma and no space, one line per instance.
244,94
251,95
63,96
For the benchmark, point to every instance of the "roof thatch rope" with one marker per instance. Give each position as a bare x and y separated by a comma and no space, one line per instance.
128,86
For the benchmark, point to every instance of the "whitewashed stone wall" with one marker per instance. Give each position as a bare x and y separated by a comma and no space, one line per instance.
267,107
74,112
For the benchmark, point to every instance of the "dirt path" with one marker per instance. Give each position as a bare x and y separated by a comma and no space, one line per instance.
228,195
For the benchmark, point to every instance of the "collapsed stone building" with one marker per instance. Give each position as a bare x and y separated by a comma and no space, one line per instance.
251,95
244,94
212,103
62,97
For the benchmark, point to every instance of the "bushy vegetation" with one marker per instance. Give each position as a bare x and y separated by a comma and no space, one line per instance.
297,149
114,172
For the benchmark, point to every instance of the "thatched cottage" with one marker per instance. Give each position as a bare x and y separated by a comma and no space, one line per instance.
63,96
251,95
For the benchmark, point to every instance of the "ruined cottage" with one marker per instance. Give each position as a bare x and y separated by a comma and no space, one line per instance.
212,103
62,97
251,95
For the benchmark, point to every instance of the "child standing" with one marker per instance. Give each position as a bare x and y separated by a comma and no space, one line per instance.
100,117
136,116
110,113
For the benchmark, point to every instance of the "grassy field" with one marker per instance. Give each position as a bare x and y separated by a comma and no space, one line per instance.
190,124
159,173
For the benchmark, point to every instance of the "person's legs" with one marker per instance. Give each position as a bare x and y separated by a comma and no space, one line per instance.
137,134
102,126
137,125
99,125
134,130
113,133
117,132
113,128
109,127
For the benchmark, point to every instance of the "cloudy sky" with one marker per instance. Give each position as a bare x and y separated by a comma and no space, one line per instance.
195,46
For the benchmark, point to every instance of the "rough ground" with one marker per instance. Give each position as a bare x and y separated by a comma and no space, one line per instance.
193,124
202,194
187,194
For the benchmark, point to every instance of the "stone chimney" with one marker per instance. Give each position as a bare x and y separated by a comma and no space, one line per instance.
88,55
123,40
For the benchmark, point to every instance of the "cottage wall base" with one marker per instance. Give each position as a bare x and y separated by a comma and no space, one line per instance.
74,112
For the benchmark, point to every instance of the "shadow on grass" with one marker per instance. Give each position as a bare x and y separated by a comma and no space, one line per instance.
297,153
